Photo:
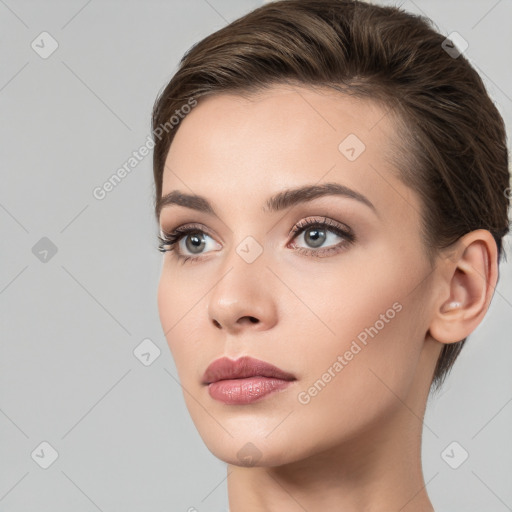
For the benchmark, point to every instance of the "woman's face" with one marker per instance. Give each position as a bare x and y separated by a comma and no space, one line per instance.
346,315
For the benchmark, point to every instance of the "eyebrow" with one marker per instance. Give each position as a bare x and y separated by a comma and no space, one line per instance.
280,201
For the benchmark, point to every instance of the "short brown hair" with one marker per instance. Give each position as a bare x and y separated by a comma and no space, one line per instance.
454,152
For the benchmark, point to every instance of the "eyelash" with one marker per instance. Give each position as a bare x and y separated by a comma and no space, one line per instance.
172,239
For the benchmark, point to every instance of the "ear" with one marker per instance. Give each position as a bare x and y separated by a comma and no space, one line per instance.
469,276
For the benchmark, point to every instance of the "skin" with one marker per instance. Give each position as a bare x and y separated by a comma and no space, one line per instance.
356,445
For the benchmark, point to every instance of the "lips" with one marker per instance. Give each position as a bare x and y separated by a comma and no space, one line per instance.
243,368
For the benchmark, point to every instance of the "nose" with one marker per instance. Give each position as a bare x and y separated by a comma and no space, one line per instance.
243,298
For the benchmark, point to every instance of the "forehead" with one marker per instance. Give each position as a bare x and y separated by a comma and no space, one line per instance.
250,146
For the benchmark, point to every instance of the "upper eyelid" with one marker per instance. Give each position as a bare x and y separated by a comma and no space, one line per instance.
311,219
187,226
323,221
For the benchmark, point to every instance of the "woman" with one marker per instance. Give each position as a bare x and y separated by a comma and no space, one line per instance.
332,209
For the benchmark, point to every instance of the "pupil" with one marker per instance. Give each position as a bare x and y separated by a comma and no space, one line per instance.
317,238
197,241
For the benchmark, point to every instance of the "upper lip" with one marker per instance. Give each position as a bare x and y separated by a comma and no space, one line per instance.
225,368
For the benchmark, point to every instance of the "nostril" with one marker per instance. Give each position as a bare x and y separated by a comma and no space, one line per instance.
251,319
248,319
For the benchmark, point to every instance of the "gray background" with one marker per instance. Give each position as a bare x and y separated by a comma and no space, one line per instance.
69,326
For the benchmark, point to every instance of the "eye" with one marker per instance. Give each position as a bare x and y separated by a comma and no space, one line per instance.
189,238
189,242
316,232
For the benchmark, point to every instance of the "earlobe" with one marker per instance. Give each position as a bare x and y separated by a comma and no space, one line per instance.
469,279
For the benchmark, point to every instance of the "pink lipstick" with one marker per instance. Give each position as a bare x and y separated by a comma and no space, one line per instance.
245,380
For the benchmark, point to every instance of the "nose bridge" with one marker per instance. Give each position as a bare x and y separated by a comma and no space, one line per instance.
243,268
245,248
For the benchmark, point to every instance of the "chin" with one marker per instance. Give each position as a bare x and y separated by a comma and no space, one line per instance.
247,448
253,454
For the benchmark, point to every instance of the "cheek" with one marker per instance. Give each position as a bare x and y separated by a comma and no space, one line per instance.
176,297
367,332
173,315
165,301
179,306
363,376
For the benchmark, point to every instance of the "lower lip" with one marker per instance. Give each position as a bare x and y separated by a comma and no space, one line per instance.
245,391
